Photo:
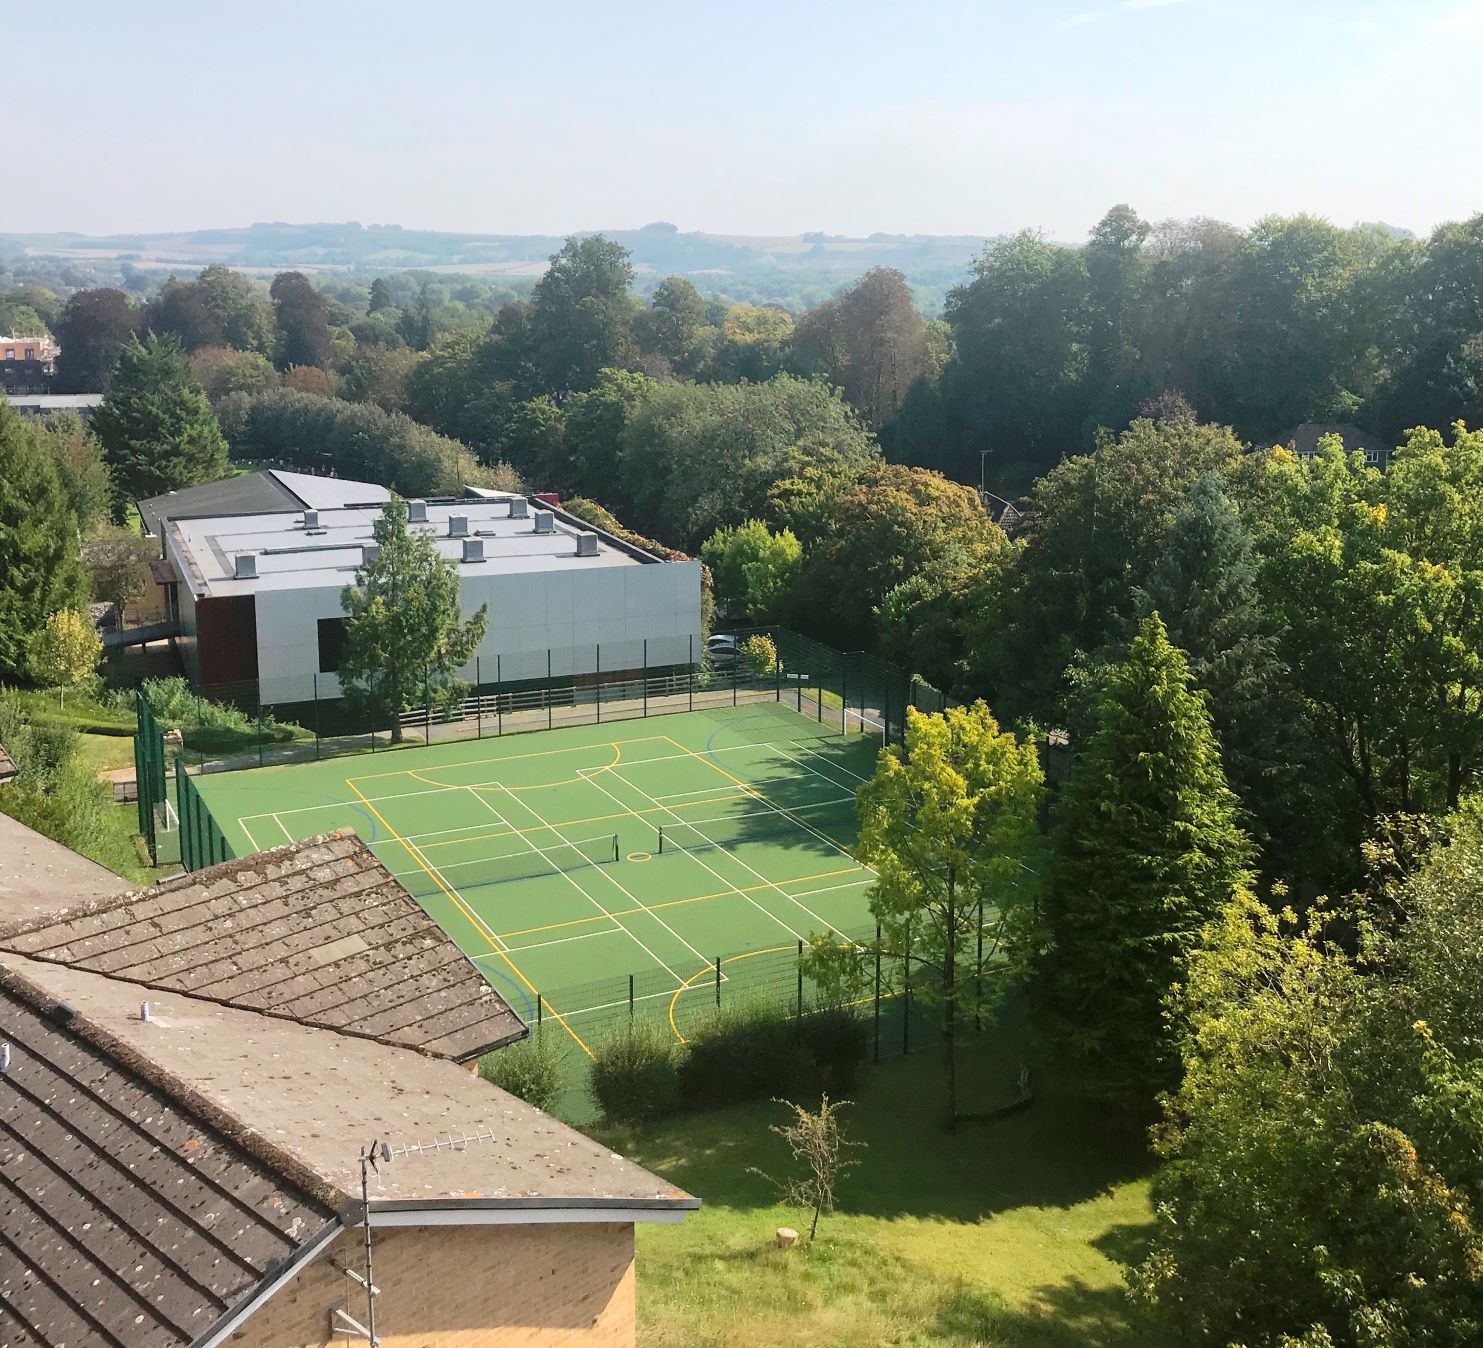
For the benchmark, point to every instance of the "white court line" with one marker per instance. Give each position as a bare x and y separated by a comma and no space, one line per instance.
572,880
251,841
764,879
616,930
705,790
284,827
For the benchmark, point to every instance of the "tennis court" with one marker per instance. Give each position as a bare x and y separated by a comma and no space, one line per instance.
558,858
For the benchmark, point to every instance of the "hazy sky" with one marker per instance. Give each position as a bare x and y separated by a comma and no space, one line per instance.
755,117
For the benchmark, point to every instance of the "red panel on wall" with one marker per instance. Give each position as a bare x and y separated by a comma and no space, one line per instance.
226,635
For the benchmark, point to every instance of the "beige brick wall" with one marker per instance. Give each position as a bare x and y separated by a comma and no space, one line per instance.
465,1287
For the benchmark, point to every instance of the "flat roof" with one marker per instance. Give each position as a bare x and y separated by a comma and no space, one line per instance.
54,401
288,555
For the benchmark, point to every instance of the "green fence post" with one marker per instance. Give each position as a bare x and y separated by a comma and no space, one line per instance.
630,996
844,701
906,995
979,994
539,1014
499,711
371,708
690,648
548,688
597,680
185,859
646,678
478,702
316,718
735,676
427,704
777,675
718,980
798,1014
260,734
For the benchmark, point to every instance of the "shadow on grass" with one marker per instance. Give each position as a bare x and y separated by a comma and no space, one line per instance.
1061,1151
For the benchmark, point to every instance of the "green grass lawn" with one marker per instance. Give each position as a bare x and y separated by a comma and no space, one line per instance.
1005,1233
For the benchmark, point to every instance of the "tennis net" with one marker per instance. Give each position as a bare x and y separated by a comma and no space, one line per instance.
431,877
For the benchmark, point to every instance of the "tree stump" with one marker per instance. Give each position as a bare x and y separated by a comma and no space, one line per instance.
786,1238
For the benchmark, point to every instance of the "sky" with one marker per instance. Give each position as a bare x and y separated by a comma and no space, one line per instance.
939,116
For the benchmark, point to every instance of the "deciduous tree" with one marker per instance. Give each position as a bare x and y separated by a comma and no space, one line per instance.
301,317
91,331
66,651
753,568
946,823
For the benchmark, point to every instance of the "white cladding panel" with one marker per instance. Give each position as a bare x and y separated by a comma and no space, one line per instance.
568,612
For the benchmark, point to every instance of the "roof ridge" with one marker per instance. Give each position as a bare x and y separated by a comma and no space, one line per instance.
262,1149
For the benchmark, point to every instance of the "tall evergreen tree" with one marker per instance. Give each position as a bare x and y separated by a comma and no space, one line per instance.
405,634
1148,849
1204,587
39,568
158,431
302,316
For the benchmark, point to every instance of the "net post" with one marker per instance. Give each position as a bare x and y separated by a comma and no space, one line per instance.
630,996
718,981
646,677
597,680
499,711
798,1013
877,1009
661,838
548,688
478,701
615,847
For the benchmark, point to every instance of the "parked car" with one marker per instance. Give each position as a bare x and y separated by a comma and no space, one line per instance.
723,651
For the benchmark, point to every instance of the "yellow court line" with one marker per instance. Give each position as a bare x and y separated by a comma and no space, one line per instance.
468,912
515,758
711,969
674,903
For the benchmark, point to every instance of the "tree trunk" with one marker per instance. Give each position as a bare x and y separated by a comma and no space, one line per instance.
950,1009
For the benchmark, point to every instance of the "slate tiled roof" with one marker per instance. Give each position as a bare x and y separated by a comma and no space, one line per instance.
315,931
125,1219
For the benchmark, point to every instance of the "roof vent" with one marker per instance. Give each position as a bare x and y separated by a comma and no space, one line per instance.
458,526
416,512
370,552
545,522
311,519
473,549
519,507
246,566
586,545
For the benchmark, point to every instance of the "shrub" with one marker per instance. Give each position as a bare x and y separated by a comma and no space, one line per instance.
837,1042
635,1076
744,1053
204,724
531,1071
54,792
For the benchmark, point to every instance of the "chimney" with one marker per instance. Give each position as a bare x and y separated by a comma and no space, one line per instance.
416,512
311,519
246,566
370,552
473,549
586,545
519,507
458,526
545,522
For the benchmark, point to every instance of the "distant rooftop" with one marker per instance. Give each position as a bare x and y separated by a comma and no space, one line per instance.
53,402
290,551
317,931
249,493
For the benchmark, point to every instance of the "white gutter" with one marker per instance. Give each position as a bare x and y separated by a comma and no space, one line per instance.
517,1216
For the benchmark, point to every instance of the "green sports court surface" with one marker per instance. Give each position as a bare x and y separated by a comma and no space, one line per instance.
576,857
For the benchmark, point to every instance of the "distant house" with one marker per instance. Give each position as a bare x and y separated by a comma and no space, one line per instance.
191,1079
1303,441
255,493
49,404
27,364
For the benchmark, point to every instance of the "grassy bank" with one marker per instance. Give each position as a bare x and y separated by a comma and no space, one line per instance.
1005,1233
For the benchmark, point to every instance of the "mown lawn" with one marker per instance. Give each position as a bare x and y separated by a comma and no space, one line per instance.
1004,1233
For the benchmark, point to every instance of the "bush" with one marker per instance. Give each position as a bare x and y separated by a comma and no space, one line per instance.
837,1042
204,725
531,1071
635,1076
744,1053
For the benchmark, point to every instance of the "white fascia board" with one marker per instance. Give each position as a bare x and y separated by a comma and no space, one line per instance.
515,1216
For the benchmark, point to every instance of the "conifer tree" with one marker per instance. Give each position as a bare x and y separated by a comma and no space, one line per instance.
1147,850
158,431
39,568
1204,587
405,635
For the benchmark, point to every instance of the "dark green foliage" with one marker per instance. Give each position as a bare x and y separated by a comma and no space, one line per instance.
301,316
836,1039
635,1076
1147,850
582,315
354,440
157,430
530,1070
39,567
81,467
743,1053
92,330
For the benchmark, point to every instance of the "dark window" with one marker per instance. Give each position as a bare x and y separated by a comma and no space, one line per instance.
331,644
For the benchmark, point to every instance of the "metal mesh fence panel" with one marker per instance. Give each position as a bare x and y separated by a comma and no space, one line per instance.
201,841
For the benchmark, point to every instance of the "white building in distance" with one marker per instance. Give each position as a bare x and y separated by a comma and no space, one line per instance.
257,596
